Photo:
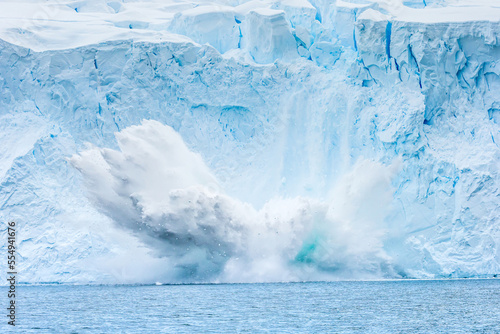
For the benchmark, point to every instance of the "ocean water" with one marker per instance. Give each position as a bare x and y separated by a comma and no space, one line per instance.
435,306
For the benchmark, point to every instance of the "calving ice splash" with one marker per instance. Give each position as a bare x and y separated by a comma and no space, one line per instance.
243,141
157,188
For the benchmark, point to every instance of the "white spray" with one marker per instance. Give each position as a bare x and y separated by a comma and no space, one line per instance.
157,188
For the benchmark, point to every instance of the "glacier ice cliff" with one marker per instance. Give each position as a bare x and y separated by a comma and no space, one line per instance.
246,141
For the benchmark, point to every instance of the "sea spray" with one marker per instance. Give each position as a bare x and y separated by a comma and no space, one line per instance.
163,193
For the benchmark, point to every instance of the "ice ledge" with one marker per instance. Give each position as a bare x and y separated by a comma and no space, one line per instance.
399,12
43,40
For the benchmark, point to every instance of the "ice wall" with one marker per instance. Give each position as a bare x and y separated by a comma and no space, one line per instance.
293,107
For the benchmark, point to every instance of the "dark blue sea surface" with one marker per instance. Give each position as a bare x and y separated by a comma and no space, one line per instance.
411,306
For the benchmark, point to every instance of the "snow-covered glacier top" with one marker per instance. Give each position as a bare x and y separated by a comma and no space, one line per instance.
64,24
244,141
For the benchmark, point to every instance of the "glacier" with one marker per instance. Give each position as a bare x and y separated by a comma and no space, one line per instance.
250,141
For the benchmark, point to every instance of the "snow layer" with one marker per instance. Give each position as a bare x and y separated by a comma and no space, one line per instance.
291,140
